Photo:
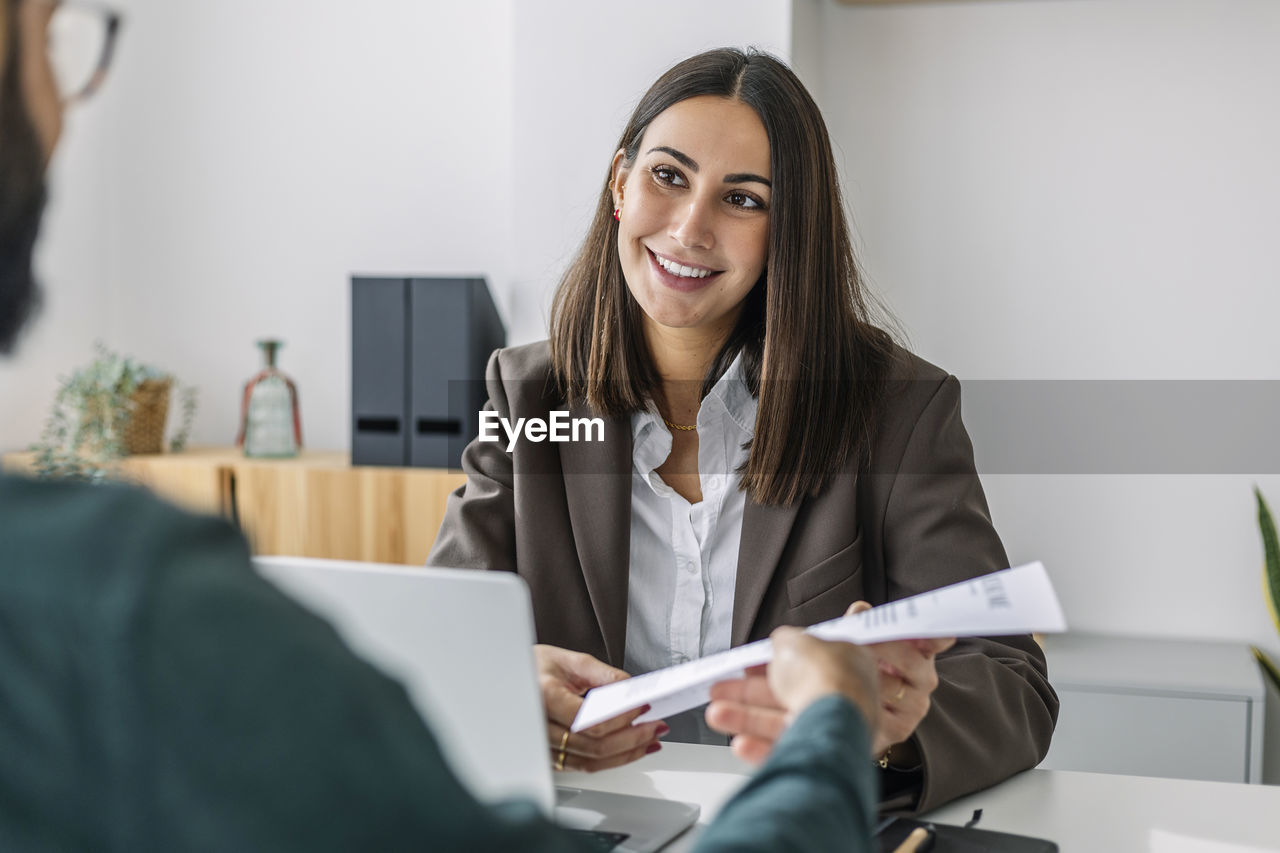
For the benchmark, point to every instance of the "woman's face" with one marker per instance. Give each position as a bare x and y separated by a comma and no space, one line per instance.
693,236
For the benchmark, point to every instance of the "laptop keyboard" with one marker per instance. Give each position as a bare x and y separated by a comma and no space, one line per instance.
600,840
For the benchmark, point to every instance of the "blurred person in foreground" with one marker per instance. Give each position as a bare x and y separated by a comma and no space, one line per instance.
157,694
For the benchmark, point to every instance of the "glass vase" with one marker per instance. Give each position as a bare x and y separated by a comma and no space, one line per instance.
270,426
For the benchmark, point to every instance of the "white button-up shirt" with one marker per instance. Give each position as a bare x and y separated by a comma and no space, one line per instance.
684,557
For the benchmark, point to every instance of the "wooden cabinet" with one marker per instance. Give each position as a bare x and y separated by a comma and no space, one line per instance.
316,505
1187,709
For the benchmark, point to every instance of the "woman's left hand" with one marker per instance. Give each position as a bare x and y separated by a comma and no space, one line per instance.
746,709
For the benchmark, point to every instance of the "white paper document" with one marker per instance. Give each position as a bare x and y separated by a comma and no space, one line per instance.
1013,601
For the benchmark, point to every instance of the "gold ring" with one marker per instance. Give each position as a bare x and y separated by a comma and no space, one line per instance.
902,691
564,743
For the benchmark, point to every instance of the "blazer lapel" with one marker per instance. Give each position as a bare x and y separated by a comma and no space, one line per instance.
597,484
765,530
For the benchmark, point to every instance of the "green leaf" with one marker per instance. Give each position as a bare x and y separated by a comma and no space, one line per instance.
1271,549
1268,666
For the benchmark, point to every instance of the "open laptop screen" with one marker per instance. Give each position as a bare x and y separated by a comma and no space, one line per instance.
461,642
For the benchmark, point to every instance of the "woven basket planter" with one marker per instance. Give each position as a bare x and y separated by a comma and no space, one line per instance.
144,432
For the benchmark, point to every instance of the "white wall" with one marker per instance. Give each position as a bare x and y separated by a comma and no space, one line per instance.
1082,190
267,149
1090,185
247,157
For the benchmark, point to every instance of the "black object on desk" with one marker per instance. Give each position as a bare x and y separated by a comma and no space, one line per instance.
962,839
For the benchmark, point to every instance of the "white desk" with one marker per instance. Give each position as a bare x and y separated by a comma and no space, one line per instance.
1082,812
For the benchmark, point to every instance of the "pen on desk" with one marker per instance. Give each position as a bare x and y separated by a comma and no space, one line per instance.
920,840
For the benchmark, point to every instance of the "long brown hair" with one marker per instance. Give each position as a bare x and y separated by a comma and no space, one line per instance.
810,353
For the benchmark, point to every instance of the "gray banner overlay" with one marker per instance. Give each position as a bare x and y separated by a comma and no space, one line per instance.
1124,426
1078,426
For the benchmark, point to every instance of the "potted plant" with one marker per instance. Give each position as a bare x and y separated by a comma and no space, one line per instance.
1270,579
106,410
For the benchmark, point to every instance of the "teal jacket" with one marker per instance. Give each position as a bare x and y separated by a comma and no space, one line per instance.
157,694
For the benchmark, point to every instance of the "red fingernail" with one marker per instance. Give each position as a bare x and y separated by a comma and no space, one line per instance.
653,747
662,730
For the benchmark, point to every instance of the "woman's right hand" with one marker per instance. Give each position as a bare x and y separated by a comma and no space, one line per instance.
565,677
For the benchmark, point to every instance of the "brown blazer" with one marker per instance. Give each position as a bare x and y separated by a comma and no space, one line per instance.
913,520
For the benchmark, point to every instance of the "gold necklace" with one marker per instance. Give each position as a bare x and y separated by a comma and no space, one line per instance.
680,427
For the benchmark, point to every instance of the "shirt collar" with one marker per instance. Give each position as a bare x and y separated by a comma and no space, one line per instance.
731,392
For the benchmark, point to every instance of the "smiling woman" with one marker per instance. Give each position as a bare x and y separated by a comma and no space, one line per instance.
694,233
770,456
735,169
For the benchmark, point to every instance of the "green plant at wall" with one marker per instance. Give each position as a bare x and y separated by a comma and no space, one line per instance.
1270,578
85,435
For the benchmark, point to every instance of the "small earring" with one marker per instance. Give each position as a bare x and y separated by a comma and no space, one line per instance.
617,214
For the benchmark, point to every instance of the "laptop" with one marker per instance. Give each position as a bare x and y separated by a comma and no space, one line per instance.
461,642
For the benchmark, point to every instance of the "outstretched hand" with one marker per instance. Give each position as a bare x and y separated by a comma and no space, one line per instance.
747,709
758,707
750,709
